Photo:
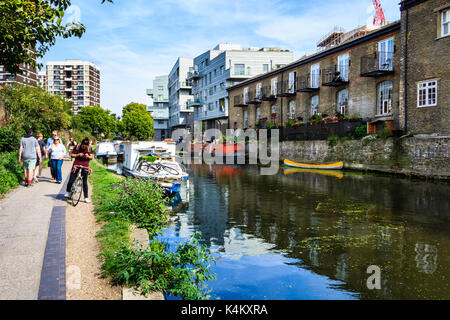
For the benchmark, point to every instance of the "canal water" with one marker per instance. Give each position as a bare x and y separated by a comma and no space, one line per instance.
313,235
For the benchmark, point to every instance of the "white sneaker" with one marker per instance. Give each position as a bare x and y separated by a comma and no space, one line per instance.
67,195
87,200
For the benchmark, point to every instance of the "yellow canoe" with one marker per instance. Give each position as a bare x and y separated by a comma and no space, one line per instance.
332,166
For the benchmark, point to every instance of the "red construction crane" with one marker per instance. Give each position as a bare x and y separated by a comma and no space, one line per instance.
379,18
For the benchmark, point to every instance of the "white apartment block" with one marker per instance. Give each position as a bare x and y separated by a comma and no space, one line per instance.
224,66
180,92
160,108
75,80
42,80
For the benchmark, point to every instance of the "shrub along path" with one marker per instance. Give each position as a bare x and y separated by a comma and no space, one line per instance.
25,216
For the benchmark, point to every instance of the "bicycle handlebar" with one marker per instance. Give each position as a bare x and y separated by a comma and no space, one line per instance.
82,167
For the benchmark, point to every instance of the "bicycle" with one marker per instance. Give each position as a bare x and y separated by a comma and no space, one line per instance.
153,168
77,187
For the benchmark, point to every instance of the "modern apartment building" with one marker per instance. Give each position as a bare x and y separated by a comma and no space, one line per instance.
42,80
181,114
75,80
222,67
160,107
27,77
358,76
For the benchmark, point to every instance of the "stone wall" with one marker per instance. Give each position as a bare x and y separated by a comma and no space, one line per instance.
418,156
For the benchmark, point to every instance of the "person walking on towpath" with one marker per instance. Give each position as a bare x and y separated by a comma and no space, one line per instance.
58,152
38,170
70,146
82,155
29,154
49,143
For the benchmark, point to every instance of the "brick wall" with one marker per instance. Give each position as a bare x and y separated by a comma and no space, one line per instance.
427,58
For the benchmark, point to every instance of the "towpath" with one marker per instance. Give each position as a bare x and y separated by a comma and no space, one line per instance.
32,241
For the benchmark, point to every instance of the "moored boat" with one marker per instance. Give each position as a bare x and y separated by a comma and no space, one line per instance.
331,166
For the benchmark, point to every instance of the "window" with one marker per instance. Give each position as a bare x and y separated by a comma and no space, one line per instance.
245,119
245,95
314,105
239,69
292,77
445,27
258,114
384,98
343,65
315,73
222,86
292,106
386,54
259,90
222,70
427,93
265,68
342,103
274,86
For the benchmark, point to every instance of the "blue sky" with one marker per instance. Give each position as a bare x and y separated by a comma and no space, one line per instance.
132,41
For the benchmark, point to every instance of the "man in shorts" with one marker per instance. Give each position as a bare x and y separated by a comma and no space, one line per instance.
29,153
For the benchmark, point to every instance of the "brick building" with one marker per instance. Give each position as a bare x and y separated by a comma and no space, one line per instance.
389,79
425,80
358,75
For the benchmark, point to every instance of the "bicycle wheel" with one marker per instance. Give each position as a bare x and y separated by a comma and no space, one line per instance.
77,190
169,170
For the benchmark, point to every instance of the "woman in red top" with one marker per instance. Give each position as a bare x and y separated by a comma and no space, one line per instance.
82,154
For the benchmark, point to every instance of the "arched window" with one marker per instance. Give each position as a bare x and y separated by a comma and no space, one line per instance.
314,105
245,119
342,101
292,107
258,114
273,113
384,98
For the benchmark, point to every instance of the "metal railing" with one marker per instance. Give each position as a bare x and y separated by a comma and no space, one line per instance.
377,64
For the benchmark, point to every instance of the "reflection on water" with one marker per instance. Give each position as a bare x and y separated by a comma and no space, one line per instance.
307,235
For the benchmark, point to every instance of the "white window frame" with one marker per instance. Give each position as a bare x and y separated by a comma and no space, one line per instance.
273,86
245,119
258,114
292,76
445,15
427,87
245,95
344,65
384,103
292,109
315,75
342,105
315,107
258,90
386,54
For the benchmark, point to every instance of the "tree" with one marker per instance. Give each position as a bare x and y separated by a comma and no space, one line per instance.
28,28
27,106
136,122
95,120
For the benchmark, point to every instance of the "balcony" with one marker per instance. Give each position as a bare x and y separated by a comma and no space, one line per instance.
377,64
308,83
255,97
193,75
237,73
185,84
287,89
239,101
335,77
268,94
196,102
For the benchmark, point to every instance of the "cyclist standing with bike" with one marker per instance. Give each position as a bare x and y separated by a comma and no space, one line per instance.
82,154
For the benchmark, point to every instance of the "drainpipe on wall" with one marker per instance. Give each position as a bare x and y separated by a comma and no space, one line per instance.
406,72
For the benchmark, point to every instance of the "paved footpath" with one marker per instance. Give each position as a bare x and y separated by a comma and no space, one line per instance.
25,216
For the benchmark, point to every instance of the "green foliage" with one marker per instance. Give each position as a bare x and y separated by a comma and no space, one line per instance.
11,172
33,107
384,134
78,135
9,139
141,202
36,24
369,138
361,131
136,122
180,273
333,138
95,120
